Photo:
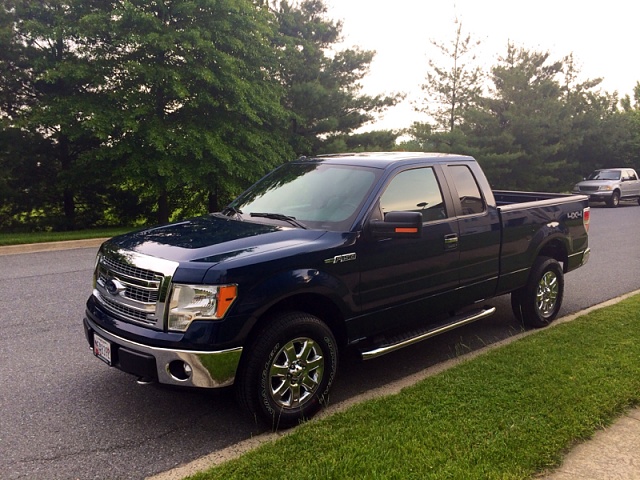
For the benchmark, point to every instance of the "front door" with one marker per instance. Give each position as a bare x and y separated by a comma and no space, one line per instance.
404,279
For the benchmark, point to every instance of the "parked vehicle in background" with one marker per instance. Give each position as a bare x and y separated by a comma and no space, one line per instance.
610,185
372,251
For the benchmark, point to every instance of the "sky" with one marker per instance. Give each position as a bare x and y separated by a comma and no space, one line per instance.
602,36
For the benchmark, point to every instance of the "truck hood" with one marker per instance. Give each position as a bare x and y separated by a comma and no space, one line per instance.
212,239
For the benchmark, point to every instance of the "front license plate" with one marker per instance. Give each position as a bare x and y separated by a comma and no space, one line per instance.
102,349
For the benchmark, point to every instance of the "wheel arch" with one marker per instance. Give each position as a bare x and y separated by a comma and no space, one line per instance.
557,249
315,304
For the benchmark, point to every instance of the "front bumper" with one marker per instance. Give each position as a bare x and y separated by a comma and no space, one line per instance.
205,369
597,196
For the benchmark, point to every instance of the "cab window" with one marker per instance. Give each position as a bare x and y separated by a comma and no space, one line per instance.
469,194
415,190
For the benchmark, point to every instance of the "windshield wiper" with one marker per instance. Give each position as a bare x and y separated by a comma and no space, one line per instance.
230,211
280,216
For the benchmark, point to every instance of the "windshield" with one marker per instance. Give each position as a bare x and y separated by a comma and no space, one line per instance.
604,175
315,194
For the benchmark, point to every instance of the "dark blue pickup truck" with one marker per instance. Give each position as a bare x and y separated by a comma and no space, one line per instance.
370,251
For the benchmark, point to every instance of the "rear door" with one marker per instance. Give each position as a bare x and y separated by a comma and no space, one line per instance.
479,232
630,183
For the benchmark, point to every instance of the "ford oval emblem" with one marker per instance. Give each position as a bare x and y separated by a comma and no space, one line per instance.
114,287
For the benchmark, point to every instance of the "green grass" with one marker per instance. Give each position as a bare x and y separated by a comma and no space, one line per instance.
42,237
507,414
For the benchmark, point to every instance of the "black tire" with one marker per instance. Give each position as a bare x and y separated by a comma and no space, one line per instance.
288,370
614,200
541,298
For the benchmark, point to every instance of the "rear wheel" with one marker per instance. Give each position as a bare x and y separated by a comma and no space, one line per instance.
540,300
614,200
289,369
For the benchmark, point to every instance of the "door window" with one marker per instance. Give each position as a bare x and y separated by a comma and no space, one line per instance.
470,197
415,190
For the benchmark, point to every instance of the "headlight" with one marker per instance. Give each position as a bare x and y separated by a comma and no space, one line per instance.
605,187
199,302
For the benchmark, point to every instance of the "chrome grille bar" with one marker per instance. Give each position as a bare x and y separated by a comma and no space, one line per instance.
133,287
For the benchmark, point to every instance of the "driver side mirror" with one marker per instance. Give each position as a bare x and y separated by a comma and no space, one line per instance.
397,225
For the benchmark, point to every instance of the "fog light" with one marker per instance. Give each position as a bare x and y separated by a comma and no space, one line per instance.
179,370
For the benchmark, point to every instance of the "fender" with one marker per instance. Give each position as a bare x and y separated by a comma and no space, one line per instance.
550,239
283,288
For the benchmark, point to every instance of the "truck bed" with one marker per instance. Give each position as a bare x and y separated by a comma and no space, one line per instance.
507,197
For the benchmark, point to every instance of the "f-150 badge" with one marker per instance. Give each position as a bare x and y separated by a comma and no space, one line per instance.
347,257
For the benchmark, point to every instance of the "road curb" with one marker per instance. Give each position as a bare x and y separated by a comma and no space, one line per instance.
50,246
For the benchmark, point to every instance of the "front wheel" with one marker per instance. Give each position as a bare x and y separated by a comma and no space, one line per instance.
540,300
614,200
289,369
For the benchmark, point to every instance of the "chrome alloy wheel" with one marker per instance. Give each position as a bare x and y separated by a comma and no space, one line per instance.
547,294
296,372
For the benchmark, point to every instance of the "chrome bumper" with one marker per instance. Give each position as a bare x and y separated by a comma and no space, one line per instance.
206,369
579,259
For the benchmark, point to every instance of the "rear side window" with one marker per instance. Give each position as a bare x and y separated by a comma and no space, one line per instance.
468,191
415,190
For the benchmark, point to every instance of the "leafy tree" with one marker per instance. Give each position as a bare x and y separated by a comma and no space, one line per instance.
195,102
46,91
629,122
322,85
13,68
593,131
374,141
27,168
519,131
632,104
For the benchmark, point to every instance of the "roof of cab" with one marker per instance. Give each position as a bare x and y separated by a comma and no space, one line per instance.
384,159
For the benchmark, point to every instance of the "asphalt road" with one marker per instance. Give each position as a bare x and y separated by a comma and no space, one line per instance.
65,415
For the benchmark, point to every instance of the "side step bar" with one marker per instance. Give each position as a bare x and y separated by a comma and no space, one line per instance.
454,322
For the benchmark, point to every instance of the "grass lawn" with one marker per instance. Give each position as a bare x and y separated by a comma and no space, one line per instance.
508,414
41,237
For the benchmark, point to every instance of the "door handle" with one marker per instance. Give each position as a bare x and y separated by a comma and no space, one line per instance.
451,241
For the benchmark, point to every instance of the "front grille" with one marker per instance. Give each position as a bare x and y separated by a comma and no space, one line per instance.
125,312
129,290
588,189
140,295
128,270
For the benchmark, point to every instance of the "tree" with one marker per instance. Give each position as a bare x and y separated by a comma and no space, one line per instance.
374,141
195,99
46,91
630,124
519,130
452,88
322,86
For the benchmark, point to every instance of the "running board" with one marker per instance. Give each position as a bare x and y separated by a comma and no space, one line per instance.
452,323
